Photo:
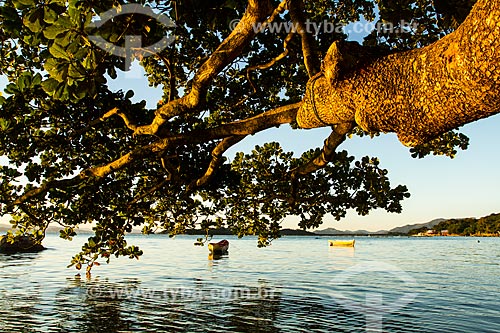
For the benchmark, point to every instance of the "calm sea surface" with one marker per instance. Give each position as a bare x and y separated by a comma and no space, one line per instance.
298,284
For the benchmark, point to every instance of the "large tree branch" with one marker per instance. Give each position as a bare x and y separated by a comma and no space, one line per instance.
229,50
231,131
418,94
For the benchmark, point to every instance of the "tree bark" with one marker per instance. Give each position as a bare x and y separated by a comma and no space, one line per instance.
418,94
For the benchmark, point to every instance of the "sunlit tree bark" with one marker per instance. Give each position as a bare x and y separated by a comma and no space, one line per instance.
418,94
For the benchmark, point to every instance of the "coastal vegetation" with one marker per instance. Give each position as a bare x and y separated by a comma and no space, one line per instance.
484,226
77,152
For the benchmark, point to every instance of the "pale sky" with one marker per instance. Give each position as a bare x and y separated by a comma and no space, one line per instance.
467,186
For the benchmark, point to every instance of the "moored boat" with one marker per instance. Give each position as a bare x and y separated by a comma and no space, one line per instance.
342,243
219,247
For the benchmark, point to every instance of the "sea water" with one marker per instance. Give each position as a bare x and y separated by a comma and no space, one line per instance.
298,284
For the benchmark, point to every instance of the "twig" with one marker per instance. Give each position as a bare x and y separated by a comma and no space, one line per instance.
216,162
272,62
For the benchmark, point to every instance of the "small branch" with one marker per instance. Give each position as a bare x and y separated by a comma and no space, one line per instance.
114,111
150,191
216,162
129,123
336,138
309,47
36,219
95,122
277,11
272,62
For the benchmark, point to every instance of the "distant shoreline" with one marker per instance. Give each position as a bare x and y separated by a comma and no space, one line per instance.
487,226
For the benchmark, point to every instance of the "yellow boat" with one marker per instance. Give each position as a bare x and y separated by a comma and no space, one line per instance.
342,243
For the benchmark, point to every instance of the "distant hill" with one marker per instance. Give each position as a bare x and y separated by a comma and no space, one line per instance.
395,231
333,231
227,232
296,232
405,229
484,226
467,226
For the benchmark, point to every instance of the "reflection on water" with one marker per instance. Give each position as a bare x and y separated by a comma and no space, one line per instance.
290,287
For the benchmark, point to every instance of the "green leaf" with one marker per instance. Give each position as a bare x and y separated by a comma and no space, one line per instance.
51,66
62,72
59,52
81,53
24,82
129,94
76,73
79,94
53,31
11,89
64,22
49,15
37,80
4,123
50,86
26,2
23,4
33,20
9,14
90,62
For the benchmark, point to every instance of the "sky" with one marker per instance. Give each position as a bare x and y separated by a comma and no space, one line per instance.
440,187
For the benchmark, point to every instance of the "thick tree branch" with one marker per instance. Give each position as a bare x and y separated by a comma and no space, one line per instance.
272,118
229,50
418,94
45,187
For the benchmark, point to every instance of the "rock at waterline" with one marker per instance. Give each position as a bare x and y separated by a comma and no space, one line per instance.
23,244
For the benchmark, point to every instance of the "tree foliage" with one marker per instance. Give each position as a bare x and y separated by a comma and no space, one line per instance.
81,153
487,225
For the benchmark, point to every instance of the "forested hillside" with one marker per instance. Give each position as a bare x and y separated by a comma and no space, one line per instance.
487,225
